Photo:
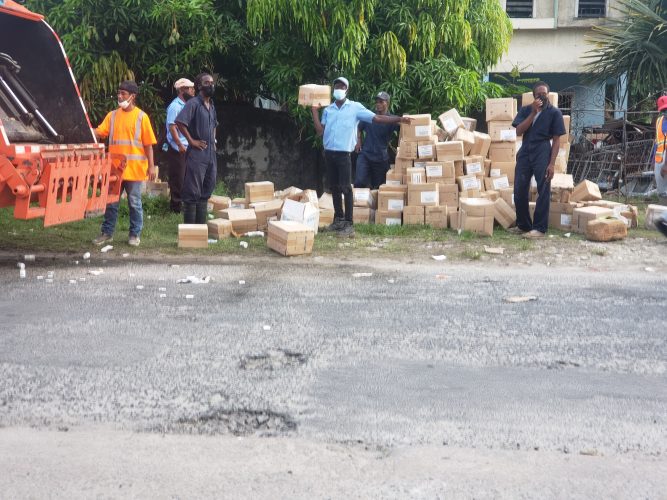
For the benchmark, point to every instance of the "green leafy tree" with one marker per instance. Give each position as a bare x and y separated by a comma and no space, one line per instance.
151,41
429,54
634,45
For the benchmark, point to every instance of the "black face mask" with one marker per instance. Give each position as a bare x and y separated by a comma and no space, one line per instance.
208,91
187,97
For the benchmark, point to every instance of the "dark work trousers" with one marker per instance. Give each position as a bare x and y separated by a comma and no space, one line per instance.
339,175
533,162
176,175
200,174
369,170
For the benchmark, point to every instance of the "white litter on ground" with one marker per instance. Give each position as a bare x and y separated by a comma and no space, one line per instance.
96,272
105,249
439,257
518,299
266,328
244,244
194,280
86,256
362,275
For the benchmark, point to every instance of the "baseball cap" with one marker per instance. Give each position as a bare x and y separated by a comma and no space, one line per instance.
129,86
662,103
382,96
342,80
183,82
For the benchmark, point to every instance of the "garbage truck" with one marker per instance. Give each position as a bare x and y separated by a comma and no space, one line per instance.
51,164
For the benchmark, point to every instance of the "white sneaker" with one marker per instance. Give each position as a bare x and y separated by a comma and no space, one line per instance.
134,241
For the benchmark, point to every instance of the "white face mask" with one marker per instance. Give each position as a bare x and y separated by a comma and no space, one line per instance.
339,94
124,104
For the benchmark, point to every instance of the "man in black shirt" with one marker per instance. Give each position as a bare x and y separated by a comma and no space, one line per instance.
373,159
541,126
197,121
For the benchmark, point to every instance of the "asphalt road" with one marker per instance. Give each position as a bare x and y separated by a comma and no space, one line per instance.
333,378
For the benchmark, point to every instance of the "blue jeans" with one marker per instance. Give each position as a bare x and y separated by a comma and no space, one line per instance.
133,190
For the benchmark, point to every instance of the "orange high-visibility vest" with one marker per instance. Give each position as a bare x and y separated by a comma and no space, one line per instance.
660,140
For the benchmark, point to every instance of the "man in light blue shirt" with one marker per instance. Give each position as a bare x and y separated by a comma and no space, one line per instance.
339,128
177,143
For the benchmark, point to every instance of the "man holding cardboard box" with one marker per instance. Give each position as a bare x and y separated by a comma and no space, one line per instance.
339,127
373,159
538,123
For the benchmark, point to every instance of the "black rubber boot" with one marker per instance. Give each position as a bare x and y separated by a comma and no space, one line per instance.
189,213
201,213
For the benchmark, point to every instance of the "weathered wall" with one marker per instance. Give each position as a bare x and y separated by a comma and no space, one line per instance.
257,144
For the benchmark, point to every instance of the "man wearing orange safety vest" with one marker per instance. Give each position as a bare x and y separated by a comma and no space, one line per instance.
660,156
131,135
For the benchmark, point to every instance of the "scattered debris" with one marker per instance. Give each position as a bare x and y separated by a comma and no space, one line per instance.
29,258
189,296
518,299
272,360
241,282
362,275
494,250
194,280
567,235
125,255
162,289
86,256
441,277
266,328
590,452
96,272
140,287
72,282
649,269
163,295
391,281
106,248
439,257
244,244
212,241
251,234
21,270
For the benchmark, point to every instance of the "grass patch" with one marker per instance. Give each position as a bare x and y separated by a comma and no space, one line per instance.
471,254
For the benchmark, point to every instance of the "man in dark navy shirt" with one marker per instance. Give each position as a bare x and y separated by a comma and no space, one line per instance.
197,121
541,126
373,160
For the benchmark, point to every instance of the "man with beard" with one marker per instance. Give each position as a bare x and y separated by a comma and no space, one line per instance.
198,122
177,142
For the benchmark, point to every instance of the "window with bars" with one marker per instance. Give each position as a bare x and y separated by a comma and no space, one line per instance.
565,101
519,8
592,8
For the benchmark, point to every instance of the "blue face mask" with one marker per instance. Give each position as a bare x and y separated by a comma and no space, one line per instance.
339,94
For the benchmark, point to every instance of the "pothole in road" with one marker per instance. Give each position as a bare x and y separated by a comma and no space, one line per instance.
272,360
235,422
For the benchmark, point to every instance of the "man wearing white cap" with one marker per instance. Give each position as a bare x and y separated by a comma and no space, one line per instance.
339,127
178,144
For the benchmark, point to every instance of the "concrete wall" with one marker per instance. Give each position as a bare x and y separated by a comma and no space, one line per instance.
263,145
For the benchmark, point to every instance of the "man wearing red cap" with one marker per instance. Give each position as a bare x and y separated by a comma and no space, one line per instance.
660,155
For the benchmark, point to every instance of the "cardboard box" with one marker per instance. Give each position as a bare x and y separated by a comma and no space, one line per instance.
363,197
415,176
469,182
560,165
507,194
606,230
440,170
448,195
581,217
469,124
479,225
290,238
499,169
388,218
219,228
496,183
326,217
401,165
363,215
562,181
426,150
451,121
314,95
474,165
477,207
482,144
407,150
219,203
503,152
258,191
436,217
309,196
424,195
653,214
393,177
192,236
420,128
157,188
527,99
566,122
243,219
504,213
413,215
491,194
423,119
586,191
325,201
391,201
305,213
266,210
239,203
452,150
467,138
500,109
458,168
501,131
